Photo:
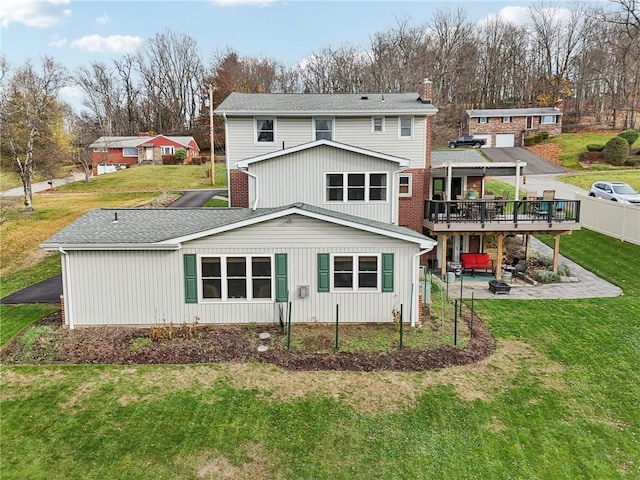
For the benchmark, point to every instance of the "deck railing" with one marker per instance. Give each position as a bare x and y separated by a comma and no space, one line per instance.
502,211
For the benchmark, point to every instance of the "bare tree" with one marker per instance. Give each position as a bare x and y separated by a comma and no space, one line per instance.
172,76
29,112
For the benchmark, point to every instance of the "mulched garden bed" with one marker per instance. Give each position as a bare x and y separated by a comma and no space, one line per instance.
214,344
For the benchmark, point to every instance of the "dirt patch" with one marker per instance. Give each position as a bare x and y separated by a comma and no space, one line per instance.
239,344
548,151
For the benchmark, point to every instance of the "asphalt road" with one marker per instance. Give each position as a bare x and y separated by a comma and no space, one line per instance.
49,291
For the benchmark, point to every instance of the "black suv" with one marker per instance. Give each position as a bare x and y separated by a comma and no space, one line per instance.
467,141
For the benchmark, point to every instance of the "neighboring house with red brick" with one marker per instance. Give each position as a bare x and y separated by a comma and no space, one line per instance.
109,154
507,127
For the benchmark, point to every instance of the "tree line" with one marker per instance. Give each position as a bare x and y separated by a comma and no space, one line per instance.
586,55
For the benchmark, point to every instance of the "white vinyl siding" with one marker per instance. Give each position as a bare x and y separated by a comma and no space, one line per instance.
147,288
309,168
354,131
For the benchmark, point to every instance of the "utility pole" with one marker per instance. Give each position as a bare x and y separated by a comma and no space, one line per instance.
211,137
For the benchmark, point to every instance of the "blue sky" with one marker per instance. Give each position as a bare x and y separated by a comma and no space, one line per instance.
77,32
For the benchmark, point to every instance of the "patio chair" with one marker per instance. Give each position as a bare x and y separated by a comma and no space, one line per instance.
545,207
520,270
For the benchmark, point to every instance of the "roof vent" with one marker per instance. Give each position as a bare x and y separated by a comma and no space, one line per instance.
364,97
115,217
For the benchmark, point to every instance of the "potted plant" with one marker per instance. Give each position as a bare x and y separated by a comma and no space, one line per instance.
472,194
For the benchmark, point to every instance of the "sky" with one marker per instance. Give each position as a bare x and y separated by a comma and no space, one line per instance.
78,32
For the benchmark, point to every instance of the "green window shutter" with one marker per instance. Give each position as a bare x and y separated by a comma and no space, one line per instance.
387,272
282,290
323,272
190,278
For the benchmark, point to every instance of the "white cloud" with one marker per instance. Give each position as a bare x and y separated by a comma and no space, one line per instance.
58,42
103,19
33,13
521,15
233,3
112,43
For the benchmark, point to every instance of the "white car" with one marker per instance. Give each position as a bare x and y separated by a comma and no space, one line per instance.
616,191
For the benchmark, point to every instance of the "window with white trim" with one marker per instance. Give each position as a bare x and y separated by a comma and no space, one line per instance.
323,128
506,119
529,122
236,277
356,187
405,185
377,124
355,272
265,130
167,150
129,152
483,119
405,127
548,119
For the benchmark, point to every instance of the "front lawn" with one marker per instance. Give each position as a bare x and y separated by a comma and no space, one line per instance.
584,180
573,144
558,400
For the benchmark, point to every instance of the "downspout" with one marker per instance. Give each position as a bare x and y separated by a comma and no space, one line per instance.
226,156
255,204
66,288
414,286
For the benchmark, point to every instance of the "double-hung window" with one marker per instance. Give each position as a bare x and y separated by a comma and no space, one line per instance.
377,124
405,126
323,128
167,150
356,272
236,277
356,187
265,130
404,187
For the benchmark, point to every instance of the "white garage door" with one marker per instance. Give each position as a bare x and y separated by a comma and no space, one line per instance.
505,140
106,168
487,137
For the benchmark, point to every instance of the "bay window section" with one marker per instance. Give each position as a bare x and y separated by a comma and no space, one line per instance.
236,277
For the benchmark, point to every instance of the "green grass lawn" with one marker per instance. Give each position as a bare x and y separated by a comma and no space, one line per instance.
558,400
584,180
573,144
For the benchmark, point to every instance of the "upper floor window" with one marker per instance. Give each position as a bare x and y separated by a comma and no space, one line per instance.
356,187
236,277
130,152
265,130
506,119
167,150
548,119
405,185
405,126
377,124
323,128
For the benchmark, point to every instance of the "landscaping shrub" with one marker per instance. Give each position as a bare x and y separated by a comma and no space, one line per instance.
171,160
529,141
631,162
545,135
181,154
196,161
616,151
537,138
546,276
630,136
595,147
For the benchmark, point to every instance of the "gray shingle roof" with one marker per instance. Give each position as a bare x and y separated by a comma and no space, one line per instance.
152,226
320,103
514,112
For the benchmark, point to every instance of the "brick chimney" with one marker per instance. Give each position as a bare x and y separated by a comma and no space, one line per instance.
425,91
559,104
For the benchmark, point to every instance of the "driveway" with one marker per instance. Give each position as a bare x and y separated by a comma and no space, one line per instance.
42,186
536,165
49,291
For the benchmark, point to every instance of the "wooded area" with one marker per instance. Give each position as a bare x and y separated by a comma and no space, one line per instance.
586,55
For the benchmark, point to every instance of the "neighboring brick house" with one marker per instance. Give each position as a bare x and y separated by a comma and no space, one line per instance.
507,127
109,154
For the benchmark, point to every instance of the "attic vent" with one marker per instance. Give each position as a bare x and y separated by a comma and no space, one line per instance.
115,217
364,97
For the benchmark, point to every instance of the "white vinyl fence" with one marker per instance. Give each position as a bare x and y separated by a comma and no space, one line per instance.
617,220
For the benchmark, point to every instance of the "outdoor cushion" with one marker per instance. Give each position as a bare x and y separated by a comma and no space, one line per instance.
476,261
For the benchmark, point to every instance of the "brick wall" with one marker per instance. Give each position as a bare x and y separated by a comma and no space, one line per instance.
517,126
238,189
411,209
